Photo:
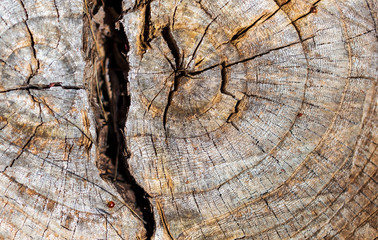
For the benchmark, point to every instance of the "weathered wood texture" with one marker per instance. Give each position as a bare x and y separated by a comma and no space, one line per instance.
49,184
255,119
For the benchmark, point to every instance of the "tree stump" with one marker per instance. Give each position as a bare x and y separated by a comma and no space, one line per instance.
254,119
247,120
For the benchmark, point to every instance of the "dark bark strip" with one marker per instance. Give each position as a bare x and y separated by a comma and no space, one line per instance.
115,100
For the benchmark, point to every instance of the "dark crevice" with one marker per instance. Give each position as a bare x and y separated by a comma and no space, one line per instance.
262,54
250,58
206,11
313,9
247,59
72,87
225,79
172,45
174,14
271,15
41,87
169,102
179,71
281,4
6,123
204,70
113,95
241,32
199,62
153,99
169,61
32,43
236,111
145,36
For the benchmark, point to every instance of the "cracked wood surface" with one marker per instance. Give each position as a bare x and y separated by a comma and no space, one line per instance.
49,184
255,119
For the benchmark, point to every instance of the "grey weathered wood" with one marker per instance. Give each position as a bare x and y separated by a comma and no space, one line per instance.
49,184
248,120
255,119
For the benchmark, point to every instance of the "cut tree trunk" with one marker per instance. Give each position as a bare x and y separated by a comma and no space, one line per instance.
255,119
247,120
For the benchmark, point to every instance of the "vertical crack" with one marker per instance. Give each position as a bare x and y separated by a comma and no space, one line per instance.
232,115
172,45
57,10
174,13
144,37
114,100
223,90
32,44
178,69
225,79
169,102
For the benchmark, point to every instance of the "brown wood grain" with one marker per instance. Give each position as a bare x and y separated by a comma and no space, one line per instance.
246,120
255,119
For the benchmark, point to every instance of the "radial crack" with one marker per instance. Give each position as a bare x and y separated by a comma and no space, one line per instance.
247,59
310,11
225,81
242,31
24,146
200,41
145,35
174,14
172,45
236,111
169,102
179,71
267,52
32,44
